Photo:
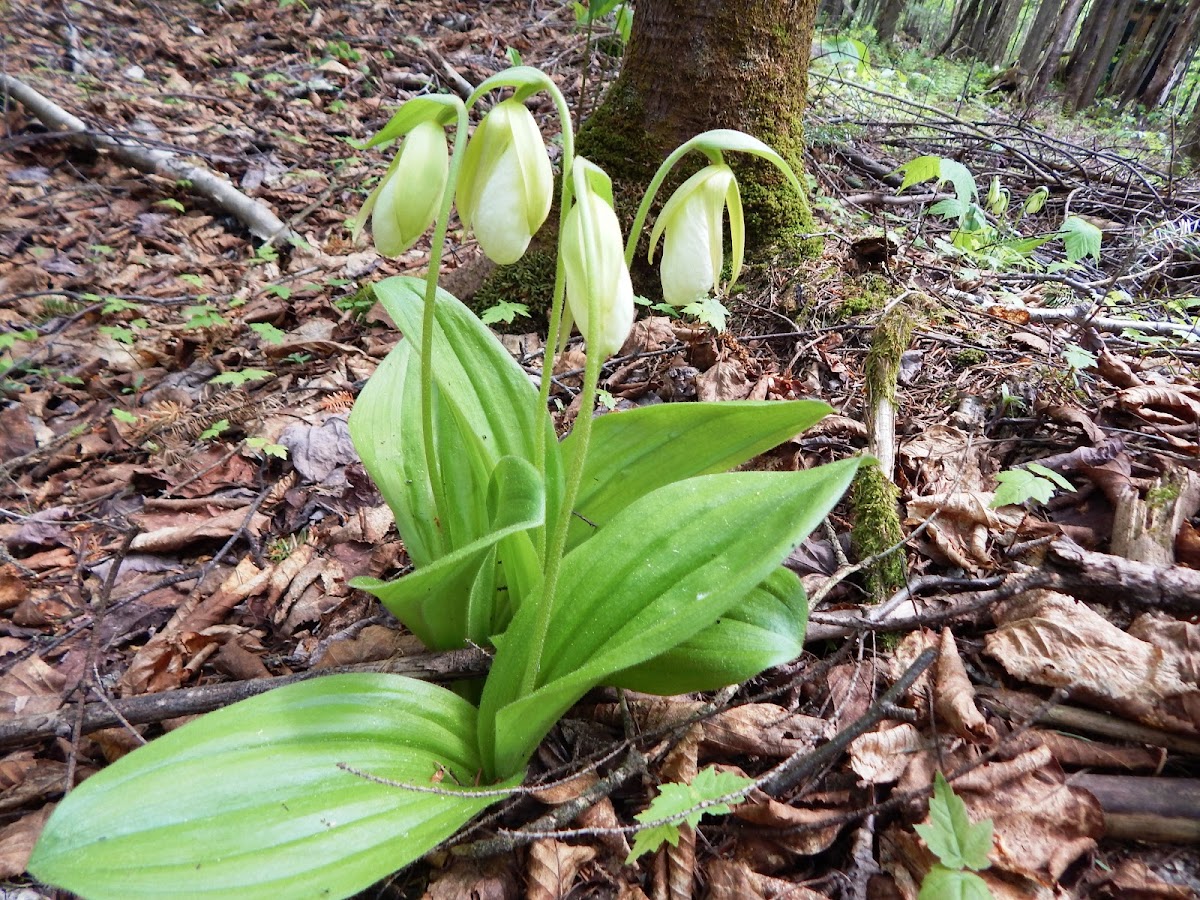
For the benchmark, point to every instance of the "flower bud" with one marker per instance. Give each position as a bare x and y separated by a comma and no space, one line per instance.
693,223
507,184
407,200
594,256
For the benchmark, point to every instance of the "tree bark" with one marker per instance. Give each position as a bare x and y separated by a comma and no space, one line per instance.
1104,61
1098,26
1168,69
1038,35
1140,56
1001,34
1049,64
695,65
887,19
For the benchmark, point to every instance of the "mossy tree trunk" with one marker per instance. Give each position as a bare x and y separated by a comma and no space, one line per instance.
693,65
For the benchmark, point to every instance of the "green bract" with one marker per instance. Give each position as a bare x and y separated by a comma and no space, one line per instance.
507,186
626,555
693,222
406,201
593,253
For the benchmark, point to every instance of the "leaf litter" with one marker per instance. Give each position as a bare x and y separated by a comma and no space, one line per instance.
143,315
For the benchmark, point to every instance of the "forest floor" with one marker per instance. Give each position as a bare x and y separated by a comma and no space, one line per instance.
174,402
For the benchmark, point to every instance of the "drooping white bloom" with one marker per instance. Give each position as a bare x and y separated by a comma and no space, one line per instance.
507,184
407,200
693,222
594,256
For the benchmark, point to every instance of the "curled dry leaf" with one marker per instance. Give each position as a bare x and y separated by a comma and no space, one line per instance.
881,756
954,696
760,809
189,529
487,880
941,458
910,647
1167,404
962,526
600,815
1053,640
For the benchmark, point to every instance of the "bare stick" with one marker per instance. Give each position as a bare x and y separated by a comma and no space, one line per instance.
261,222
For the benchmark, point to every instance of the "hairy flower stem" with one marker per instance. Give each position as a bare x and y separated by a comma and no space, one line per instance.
583,432
556,305
428,321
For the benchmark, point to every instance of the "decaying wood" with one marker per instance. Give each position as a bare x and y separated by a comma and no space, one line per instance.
1144,528
149,708
1146,809
260,221
1074,569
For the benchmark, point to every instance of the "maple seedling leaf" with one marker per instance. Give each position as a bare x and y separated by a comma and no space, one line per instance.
680,804
950,834
1032,482
953,884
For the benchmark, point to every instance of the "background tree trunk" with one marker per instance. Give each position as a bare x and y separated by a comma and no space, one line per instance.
693,65
1097,69
888,18
1004,26
1050,60
1168,68
1038,35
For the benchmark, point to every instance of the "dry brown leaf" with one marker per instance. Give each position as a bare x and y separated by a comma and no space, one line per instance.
726,380
954,696
1051,639
1077,753
963,525
881,756
13,588
31,686
485,880
680,871
191,528
910,647
552,868
160,664
942,459
649,334
732,879
852,689
759,808
17,840
1166,404
1133,880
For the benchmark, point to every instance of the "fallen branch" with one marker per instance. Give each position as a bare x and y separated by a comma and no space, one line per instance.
149,708
260,221
1072,569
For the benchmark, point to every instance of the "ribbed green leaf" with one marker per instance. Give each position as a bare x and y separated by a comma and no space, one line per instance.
249,803
633,453
667,566
478,379
764,629
440,602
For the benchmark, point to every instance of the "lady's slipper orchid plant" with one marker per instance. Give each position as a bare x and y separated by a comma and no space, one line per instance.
693,224
506,186
627,554
406,201
599,290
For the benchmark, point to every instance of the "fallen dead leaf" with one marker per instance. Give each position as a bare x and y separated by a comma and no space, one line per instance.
954,696
17,840
552,868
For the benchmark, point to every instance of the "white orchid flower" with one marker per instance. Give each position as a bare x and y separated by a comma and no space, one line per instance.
404,205
594,256
507,185
693,221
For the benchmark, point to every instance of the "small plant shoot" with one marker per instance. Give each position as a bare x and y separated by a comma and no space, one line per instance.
627,554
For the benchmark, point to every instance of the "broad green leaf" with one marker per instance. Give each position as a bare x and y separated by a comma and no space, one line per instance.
960,176
633,453
385,425
666,567
764,629
952,884
1080,238
477,378
918,170
950,834
1077,358
679,803
436,600
250,802
1031,482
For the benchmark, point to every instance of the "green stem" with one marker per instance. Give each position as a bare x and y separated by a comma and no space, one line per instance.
428,321
639,220
583,431
556,305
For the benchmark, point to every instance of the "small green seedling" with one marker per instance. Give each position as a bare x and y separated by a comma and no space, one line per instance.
958,845
268,332
505,312
1032,482
710,793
